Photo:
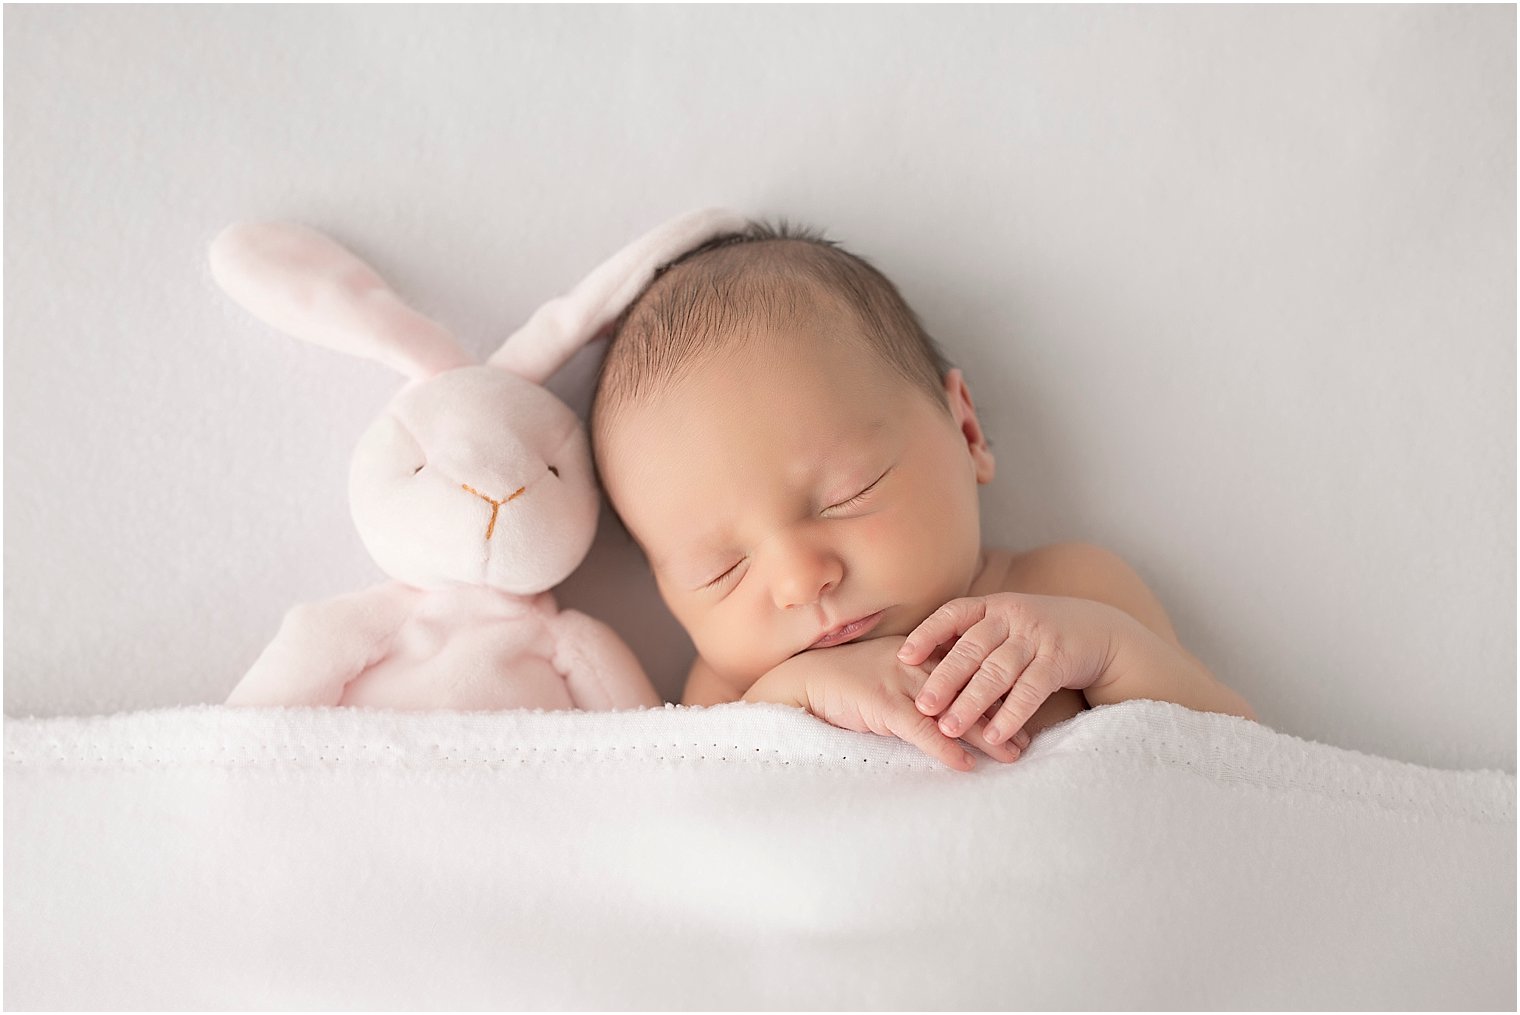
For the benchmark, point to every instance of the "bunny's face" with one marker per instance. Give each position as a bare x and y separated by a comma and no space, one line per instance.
475,477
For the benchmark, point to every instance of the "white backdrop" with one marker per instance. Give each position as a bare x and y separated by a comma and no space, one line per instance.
1235,289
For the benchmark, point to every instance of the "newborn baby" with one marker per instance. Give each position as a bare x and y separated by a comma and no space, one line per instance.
800,466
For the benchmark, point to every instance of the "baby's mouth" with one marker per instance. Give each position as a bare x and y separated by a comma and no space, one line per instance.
847,632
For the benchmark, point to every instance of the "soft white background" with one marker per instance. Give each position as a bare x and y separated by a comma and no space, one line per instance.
1235,288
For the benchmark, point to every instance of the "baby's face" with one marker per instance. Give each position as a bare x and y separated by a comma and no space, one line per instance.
793,488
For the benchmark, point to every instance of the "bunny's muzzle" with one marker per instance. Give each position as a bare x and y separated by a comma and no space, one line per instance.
495,504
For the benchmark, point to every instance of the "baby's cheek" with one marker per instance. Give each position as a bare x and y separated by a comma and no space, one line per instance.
915,554
736,648
730,662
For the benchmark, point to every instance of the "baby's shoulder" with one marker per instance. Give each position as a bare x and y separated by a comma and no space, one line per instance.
1078,570
1059,569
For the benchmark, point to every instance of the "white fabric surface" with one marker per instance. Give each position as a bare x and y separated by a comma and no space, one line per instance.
1234,288
1139,856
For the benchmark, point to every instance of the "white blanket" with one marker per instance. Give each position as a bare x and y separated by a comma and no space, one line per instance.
743,856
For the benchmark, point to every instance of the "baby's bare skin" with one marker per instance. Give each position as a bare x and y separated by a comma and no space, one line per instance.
1074,571
807,510
999,567
1036,572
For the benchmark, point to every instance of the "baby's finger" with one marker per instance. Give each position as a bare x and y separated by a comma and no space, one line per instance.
920,731
993,677
949,621
961,664
1005,752
1040,679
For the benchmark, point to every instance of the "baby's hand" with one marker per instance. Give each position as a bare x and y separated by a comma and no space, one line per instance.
864,686
1027,647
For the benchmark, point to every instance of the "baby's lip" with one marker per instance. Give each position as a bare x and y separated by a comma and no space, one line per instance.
847,632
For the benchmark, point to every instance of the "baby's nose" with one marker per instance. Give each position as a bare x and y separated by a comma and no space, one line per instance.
805,578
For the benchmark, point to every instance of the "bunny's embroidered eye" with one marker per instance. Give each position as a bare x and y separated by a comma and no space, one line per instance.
419,468
555,471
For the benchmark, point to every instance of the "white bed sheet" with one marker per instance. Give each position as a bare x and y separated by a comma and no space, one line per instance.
742,856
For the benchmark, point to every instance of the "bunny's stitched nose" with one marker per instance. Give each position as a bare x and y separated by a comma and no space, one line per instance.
495,504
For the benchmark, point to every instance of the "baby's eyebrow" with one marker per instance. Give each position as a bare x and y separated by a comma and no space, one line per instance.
690,554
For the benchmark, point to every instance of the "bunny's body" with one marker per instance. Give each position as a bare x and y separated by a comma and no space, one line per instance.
466,649
474,490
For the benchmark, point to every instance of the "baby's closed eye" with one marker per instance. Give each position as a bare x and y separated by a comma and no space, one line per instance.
859,498
728,575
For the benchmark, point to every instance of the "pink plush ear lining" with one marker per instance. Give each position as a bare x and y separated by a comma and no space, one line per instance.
559,328
306,285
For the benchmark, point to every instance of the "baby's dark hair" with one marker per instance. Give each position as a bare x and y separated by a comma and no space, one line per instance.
762,274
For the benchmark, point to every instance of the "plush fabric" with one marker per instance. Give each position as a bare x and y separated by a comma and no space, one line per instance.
467,649
740,856
474,490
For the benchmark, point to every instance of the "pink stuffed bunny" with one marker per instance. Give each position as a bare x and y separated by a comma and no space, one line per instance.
473,490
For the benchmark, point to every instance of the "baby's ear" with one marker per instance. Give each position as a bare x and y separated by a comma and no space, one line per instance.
308,286
560,327
963,411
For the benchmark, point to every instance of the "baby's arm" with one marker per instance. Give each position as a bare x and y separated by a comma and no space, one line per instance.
1146,666
863,686
1149,661
1078,617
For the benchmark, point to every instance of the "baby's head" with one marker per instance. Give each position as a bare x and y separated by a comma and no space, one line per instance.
789,449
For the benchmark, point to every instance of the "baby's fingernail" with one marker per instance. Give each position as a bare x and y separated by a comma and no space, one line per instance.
992,734
948,726
926,703
906,650
1022,739
967,759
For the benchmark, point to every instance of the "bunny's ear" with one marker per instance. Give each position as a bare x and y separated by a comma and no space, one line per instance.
308,286
559,328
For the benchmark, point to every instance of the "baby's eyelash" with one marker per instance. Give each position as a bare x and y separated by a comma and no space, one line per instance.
859,496
723,577
853,500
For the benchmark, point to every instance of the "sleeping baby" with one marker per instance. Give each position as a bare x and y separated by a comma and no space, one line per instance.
800,466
